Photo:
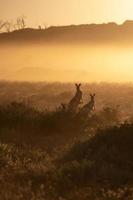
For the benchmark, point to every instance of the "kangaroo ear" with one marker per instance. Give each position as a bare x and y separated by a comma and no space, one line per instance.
90,95
76,84
80,84
94,95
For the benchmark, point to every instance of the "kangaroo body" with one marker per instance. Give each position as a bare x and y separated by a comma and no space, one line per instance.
76,100
89,107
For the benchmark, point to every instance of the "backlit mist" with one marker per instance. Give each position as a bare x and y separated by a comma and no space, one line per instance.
66,63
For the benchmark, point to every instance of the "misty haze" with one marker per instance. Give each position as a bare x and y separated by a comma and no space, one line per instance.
66,63
71,53
66,100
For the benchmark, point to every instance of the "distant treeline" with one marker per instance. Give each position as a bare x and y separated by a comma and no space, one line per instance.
90,33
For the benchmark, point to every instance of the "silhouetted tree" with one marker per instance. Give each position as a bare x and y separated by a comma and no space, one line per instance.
2,24
39,27
45,25
21,24
8,26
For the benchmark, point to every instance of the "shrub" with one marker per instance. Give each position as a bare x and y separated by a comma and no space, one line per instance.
106,159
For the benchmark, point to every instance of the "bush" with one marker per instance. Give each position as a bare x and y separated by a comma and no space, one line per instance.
20,119
106,159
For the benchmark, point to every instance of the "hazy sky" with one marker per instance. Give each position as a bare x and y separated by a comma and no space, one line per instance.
59,12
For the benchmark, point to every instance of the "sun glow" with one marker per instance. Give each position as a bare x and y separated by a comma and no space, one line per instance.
67,63
62,12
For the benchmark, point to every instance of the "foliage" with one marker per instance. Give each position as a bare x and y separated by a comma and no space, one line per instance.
99,168
72,157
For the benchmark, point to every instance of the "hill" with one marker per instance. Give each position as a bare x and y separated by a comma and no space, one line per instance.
86,33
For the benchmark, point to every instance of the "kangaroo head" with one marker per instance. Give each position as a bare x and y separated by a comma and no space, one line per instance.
78,86
92,96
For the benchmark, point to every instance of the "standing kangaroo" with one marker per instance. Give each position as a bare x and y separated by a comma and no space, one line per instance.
87,108
76,100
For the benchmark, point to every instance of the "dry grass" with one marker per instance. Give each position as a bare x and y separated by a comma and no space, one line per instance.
54,155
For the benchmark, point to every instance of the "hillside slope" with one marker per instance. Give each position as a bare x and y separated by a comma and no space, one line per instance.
90,33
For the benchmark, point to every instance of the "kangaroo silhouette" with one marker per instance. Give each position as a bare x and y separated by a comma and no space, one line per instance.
76,100
89,107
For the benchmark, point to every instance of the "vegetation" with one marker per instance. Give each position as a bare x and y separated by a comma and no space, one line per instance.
55,154
99,168
110,33
18,119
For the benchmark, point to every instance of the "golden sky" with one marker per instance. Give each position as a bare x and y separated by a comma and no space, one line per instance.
63,12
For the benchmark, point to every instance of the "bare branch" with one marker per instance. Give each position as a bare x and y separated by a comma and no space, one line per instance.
2,24
8,26
21,24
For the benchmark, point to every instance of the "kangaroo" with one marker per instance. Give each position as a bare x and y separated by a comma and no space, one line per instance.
76,100
87,108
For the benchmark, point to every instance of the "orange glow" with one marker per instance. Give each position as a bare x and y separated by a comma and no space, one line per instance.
59,12
67,63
